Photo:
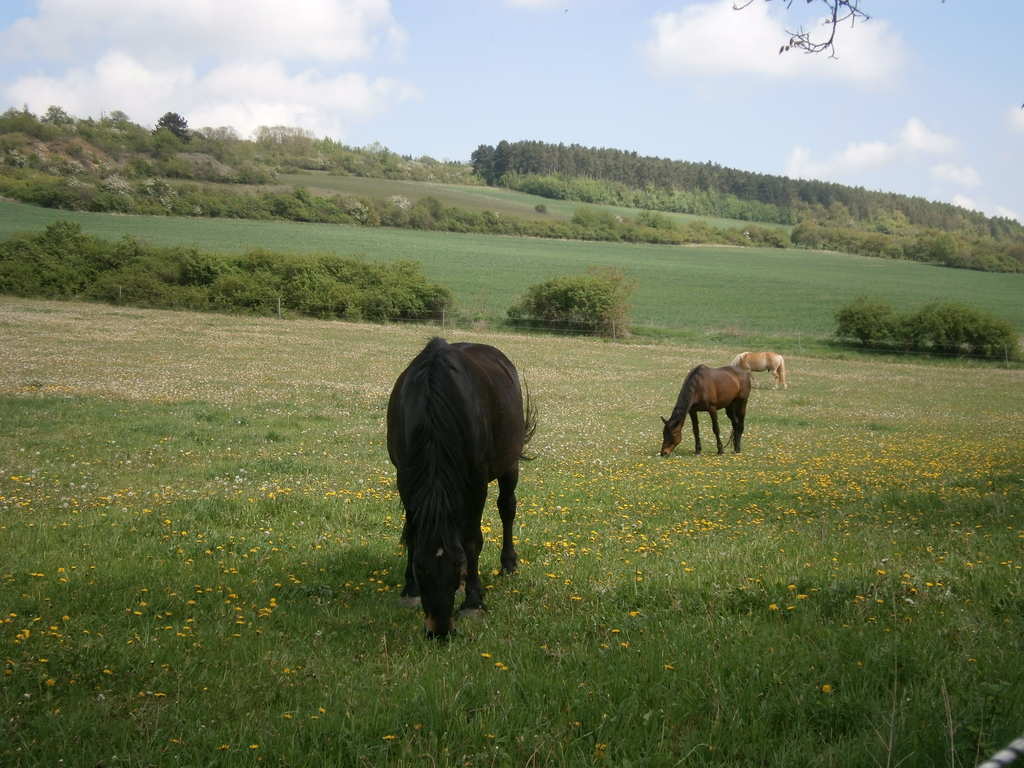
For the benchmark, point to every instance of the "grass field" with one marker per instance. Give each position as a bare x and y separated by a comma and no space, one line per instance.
708,294
505,201
201,562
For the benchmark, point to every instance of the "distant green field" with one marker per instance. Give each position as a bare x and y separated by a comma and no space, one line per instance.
747,293
505,201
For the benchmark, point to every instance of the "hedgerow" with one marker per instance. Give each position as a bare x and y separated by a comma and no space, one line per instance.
155,196
939,327
63,263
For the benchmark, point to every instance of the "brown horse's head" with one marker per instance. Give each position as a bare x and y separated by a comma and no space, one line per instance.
671,435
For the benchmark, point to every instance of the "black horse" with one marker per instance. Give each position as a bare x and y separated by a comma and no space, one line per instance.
456,421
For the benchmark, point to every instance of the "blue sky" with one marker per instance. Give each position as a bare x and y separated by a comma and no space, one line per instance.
923,99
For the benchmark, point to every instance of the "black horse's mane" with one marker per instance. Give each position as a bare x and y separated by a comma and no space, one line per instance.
441,437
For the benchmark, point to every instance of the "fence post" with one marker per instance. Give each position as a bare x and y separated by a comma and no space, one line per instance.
279,308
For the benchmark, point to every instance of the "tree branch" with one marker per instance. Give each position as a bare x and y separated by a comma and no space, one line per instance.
839,11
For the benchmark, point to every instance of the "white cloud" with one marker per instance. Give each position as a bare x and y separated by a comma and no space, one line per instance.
988,209
240,95
854,157
1016,118
964,175
242,63
966,202
156,30
917,136
914,137
714,39
1005,212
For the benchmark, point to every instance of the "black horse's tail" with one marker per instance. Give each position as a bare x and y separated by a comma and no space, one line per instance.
529,418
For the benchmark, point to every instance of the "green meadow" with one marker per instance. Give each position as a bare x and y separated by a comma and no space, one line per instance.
785,297
506,202
201,557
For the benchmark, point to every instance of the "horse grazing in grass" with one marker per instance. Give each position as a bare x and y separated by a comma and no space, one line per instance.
763,361
708,389
456,421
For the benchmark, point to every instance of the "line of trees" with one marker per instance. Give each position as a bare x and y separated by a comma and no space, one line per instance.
794,199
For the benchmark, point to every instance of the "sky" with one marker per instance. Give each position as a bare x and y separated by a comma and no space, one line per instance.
923,99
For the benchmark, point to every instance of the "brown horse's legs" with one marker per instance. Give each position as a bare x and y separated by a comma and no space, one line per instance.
736,413
714,426
507,509
696,432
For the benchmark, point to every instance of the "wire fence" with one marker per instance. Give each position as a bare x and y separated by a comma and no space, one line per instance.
445,319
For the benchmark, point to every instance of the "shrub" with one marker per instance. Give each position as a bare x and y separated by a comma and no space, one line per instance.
955,329
942,327
869,322
596,302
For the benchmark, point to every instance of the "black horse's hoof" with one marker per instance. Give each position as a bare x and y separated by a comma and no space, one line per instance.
440,637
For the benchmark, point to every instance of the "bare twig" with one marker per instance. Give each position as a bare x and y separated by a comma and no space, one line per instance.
839,11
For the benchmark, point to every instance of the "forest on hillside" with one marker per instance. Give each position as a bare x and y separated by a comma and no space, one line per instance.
787,200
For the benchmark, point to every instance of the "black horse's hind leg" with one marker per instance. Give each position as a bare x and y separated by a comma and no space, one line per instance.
696,432
507,509
714,427
472,545
411,590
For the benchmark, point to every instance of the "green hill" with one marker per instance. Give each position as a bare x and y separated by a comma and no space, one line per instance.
699,292
507,202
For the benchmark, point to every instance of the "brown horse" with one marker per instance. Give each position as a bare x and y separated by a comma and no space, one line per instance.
763,361
456,421
708,389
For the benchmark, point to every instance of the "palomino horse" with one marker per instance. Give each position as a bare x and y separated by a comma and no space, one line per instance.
708,389
763,361
456,421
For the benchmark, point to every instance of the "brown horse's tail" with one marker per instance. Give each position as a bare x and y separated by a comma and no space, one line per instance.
782,372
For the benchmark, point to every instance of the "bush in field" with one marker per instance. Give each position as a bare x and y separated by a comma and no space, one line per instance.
870,322
943,327
597,302
954,328
63,262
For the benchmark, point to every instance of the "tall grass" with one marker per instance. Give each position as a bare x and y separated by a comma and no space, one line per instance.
201,559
